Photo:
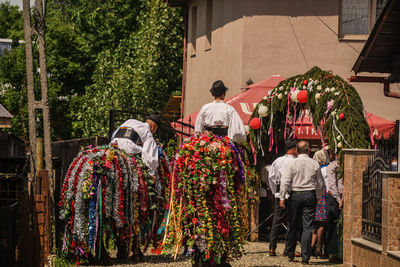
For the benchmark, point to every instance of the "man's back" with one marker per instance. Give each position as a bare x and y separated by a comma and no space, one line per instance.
302,174
276,171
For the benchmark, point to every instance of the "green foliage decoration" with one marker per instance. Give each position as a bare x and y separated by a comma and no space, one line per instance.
351,129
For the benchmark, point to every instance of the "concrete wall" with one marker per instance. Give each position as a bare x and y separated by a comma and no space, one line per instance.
258,38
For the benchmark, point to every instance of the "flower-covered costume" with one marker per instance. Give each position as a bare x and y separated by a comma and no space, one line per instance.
208,206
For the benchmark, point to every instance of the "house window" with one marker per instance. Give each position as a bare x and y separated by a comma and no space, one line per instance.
209,16
357,17
193,36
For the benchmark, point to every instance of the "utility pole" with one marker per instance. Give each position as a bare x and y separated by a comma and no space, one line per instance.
34,105
43,199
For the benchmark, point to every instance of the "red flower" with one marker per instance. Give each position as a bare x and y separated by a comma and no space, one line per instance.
207,256
305,82
194,220
107,164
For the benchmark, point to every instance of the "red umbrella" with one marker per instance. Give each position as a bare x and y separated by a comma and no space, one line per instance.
380,127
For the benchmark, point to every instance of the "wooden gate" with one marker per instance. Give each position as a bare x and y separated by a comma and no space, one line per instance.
34,227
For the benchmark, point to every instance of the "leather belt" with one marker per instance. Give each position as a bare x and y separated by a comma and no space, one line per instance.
303,192
129,133
218,130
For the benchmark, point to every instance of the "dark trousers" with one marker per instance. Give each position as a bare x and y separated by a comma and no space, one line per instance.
279,217
301,209
264,210
332,208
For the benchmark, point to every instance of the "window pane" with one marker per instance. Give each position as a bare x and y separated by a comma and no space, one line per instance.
354,17
380,4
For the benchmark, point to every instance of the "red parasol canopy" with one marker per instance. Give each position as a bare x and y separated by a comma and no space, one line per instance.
380,127
245,102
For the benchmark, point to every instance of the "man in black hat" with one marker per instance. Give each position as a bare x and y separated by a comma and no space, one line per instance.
219,117
274,180
136,137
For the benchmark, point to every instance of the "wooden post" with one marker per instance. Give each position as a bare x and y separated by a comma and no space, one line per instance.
36,159
39,155
30,88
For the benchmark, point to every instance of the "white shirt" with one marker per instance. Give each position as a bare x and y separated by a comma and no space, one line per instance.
332,185
276,171
218,113
149,150
302,174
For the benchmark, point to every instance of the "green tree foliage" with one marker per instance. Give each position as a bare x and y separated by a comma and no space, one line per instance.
11,24
101,55
140,74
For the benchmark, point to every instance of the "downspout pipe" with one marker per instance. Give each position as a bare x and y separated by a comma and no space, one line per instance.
393,78
185,19
387,92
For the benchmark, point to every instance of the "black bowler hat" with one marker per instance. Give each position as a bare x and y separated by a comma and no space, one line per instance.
155,118
218,88
290,143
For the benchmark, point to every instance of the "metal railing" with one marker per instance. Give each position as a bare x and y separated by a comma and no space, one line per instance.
372,198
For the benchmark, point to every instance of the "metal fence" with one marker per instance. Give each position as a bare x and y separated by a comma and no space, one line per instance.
372,197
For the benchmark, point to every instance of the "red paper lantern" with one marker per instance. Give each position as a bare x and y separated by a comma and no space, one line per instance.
302,96
255,123
305,82
341,116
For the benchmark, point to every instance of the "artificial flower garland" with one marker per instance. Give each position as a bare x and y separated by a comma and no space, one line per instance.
105,194
208,200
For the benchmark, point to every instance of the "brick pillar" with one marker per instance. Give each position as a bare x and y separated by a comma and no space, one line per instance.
355,162
390,211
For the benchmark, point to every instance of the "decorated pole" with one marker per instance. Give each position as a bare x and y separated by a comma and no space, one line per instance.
333,105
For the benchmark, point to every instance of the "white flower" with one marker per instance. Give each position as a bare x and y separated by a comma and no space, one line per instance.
265,97
304,87
336,93
319,87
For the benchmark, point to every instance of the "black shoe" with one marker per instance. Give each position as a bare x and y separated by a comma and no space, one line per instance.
272,252
304,262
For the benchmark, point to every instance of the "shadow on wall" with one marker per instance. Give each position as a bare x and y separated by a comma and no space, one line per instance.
232,10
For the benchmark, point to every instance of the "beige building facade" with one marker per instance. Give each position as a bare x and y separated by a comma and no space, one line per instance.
234,40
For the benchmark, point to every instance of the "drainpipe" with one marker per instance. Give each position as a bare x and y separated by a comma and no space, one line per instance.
393,78
185,18
386,90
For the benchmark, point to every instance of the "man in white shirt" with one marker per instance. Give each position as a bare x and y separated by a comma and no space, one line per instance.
219,117
303,175
274,180
136,137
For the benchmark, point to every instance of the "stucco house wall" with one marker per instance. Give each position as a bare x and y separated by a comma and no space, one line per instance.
259,38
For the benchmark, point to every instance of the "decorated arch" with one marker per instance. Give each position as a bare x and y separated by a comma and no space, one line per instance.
330,103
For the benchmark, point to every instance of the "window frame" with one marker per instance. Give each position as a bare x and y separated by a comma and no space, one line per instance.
372,5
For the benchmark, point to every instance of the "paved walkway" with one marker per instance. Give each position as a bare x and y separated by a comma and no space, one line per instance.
255,255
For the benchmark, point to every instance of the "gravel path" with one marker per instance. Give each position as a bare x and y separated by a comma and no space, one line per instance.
255,255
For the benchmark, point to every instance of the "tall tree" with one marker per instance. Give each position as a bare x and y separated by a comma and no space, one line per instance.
100,54
11,22
141,73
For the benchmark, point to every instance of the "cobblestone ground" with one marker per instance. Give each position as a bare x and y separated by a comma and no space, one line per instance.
255,255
